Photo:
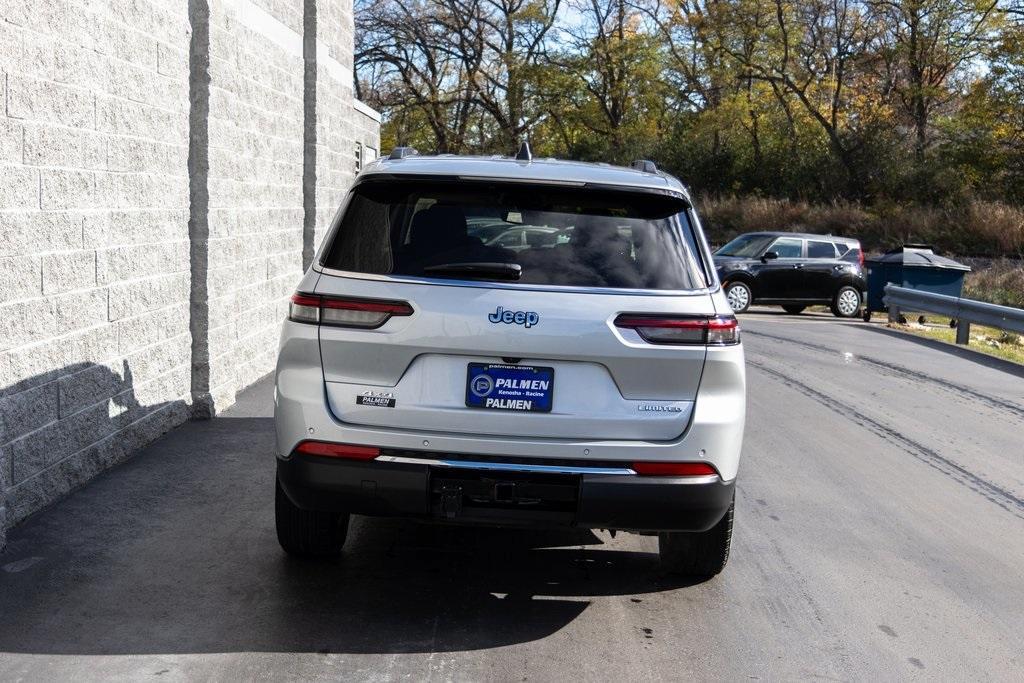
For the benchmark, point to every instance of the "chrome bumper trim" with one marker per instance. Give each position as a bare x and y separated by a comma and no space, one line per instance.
506,466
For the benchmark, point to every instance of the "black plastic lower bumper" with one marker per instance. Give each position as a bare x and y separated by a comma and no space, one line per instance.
470,496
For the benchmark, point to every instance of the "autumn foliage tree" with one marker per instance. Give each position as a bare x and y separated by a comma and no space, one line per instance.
878,101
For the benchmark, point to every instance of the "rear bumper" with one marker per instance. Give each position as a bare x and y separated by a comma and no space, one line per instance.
469,495
714,434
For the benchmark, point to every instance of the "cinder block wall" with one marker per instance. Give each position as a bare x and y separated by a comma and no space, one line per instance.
165,167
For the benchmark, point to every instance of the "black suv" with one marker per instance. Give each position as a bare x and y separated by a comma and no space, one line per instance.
795,270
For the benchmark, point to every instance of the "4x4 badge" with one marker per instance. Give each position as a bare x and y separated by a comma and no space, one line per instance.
526,318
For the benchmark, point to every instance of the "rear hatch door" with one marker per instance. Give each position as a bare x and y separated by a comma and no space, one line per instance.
530,353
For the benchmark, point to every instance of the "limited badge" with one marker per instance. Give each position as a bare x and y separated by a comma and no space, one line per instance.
380,399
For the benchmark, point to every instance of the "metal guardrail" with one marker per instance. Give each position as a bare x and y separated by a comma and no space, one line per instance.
964,311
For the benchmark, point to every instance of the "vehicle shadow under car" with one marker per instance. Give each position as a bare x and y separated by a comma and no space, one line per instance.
175,552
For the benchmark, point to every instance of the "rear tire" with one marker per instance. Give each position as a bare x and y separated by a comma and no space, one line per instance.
308,533
700,553
846,302
739,296
793,309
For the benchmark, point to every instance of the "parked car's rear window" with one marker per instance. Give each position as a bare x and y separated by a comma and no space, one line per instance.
820,250
557,236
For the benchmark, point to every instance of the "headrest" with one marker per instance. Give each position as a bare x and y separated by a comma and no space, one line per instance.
441,225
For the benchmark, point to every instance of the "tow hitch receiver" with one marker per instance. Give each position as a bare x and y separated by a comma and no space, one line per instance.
472,494
504,492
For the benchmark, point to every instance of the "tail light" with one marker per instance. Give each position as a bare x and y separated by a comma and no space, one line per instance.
343,311
660,329
674,469
337,450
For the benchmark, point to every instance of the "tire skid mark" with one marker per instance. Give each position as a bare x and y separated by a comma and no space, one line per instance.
802,589
991,492
1014,409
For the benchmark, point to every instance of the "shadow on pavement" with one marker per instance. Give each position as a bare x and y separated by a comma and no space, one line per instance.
175,552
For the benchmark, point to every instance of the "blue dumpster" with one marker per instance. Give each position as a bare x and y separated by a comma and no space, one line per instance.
916,266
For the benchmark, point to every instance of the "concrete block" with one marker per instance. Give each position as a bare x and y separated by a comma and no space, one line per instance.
123,117
28,366
32,232
52,146
64,271
20,277
144,85
11,44
142,260
19,189
172,61
134,154
54,442
151,328
126,227
46,101
94,150
90,385
11,140
81,309
128,45
26,322
60,60
5,483
174,385
153,361
63,189
141,190
140,296
28,410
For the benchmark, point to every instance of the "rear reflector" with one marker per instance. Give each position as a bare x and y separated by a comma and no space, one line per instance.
674,469
344,312
660,329
338,450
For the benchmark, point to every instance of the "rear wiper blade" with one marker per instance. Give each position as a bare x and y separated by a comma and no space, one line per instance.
497,271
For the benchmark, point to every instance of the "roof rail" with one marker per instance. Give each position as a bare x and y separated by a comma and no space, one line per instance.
645,165
524,153
402,152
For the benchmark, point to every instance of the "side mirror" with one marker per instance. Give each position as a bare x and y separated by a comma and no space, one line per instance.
768,256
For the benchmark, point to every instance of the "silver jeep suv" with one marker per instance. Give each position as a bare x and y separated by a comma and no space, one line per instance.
592,377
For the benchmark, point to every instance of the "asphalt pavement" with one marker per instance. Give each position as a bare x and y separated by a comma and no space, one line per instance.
879,535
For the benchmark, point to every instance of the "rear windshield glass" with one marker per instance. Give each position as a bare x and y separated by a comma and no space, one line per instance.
516,233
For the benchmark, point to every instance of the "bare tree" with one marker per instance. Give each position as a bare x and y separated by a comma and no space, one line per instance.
814,52
406,48
931,40
504,45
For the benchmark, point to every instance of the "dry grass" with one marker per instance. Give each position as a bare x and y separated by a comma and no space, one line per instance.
999,223
978,228
988,340
1000,282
